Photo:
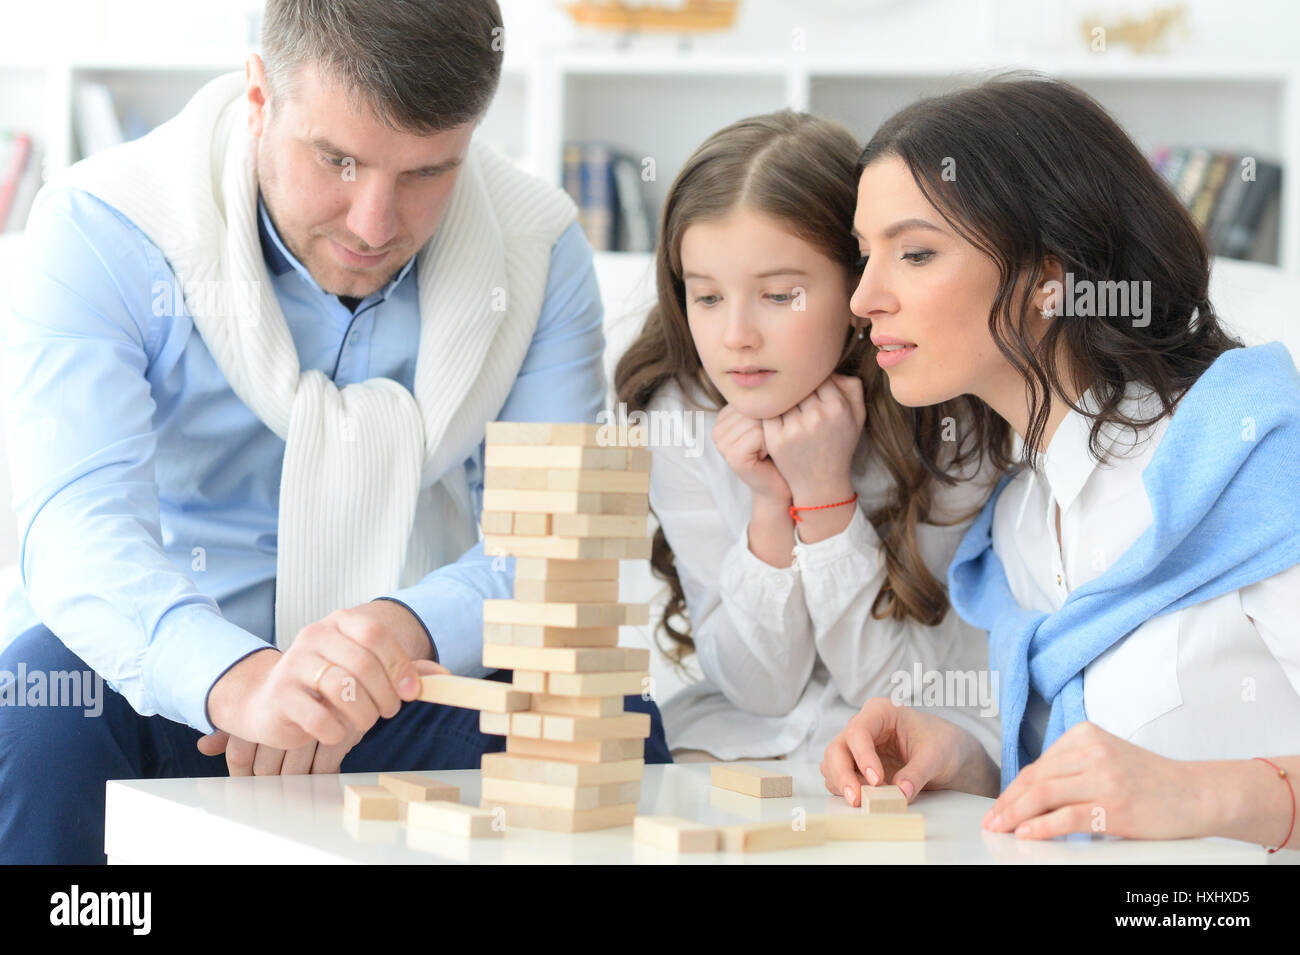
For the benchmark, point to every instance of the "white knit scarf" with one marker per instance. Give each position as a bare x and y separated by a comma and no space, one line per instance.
373,491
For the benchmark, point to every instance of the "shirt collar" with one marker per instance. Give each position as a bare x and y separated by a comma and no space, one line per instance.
280,260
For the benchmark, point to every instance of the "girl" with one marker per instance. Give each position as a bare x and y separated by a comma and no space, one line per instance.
1138,577
805,544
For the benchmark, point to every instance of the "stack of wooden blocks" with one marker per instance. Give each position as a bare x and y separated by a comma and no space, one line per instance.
567,505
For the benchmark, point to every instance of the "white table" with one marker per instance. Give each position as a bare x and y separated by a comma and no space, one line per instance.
299,819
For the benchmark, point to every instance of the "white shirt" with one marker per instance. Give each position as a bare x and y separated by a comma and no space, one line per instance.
1217,680
790,654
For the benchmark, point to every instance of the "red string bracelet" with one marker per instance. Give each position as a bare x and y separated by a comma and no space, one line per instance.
1282,774
794,511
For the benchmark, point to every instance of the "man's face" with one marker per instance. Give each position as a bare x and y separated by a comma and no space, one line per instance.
351,198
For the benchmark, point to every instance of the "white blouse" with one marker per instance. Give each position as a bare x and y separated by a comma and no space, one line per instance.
790,654
1217,680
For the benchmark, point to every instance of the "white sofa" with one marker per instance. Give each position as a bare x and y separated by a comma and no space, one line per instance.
1257,301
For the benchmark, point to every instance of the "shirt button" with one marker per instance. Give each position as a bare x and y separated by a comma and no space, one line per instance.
1059,582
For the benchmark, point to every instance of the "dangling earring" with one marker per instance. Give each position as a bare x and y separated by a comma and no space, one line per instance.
1047,311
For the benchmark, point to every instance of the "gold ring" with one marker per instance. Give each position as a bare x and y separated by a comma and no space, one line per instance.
315,684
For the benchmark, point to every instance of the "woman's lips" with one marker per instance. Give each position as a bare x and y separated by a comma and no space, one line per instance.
893,355
750,379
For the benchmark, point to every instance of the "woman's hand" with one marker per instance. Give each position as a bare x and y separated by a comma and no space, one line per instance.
812,444
908,748
741,443
1090,780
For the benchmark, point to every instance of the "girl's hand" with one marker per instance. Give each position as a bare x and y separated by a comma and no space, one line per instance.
812,444
1090,780
909,748
741,443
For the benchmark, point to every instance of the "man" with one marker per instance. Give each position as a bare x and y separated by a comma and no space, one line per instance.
248,376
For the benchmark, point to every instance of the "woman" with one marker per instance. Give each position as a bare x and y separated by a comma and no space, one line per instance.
1138,576
805,544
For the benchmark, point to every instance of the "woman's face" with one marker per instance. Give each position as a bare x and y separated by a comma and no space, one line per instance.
767,310
928,288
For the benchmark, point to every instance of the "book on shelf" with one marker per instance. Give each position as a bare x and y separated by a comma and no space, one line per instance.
1234,199
606,185
20,178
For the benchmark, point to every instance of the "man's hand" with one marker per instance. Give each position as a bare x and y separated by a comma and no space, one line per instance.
249,759
339,676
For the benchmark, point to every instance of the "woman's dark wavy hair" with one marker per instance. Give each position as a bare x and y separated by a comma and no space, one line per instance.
1039,171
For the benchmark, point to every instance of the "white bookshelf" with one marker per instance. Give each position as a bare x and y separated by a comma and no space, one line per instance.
662,105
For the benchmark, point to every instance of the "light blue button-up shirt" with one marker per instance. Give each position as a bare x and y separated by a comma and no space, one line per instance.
147,492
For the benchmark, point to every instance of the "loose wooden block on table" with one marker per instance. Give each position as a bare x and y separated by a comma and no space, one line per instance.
566,591
567,548
874,827
566,659
570,504
761,836
452,818
521,792
557,773
545,568
371,802
534,635
675,834
883,799
565,614
413,788
566,479
751,780
586,751
472,694
565,820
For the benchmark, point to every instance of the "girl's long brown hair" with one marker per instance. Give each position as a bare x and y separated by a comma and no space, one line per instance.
800,170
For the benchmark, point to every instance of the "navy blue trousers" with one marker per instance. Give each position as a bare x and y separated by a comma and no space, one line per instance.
55,760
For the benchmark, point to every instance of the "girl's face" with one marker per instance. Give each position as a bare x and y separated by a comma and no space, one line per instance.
928,288
768,311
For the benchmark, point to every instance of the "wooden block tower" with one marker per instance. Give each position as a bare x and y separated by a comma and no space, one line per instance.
567,507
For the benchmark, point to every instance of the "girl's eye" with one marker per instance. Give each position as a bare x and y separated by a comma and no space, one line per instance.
918,257
705,300
334,161
780,298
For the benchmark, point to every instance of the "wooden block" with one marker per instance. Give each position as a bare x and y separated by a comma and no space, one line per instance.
534,681
558,773
566,591
453,819
879,799
751,780
565,614
524,479
411,787
559,456
874,827
531,635
565,820
494,724
370,802
598,525
576,728
543,432
595,684
541,568
674,834
471,694
762,836
532,525
638,459
497,522
578,705
567,548
604,482
570,503
526,724
566,659
518,792
589,751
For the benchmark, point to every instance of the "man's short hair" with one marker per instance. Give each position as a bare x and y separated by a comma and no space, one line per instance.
423,65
